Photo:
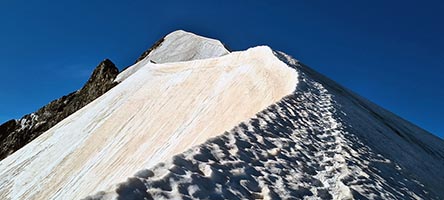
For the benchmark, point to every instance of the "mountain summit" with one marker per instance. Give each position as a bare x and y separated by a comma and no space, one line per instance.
191,120
176,47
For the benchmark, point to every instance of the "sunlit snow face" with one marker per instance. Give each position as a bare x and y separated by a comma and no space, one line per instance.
158,111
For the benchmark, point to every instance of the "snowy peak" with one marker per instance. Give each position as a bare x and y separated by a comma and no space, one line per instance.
177,46
184,46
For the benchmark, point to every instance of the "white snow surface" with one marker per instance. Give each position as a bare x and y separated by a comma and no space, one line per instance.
176,47
320,142
158,111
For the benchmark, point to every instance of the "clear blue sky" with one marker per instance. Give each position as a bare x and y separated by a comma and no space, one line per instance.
391,52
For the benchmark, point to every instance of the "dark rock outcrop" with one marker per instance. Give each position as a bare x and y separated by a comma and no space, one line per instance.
147,52
15,134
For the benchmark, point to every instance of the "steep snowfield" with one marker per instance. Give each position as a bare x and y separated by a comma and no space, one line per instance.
176,47
158,111
320,142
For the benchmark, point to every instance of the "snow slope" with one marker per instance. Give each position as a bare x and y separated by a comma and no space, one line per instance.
158,111
320,142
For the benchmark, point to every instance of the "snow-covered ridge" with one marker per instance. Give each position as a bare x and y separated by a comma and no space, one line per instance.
179,46
157,112
313,144
169,128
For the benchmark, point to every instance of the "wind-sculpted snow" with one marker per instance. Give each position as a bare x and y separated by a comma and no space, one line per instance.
306,146
157,112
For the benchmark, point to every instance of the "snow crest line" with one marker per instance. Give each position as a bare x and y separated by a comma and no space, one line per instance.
301,147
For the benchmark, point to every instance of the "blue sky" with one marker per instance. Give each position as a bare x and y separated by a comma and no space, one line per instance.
391,52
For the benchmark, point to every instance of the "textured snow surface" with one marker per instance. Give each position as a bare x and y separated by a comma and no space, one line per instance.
321,142
157,112
176,47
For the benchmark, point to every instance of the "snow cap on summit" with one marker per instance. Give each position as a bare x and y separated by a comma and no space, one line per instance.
177,46
184,46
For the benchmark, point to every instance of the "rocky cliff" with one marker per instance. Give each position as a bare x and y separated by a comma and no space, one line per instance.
14,134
